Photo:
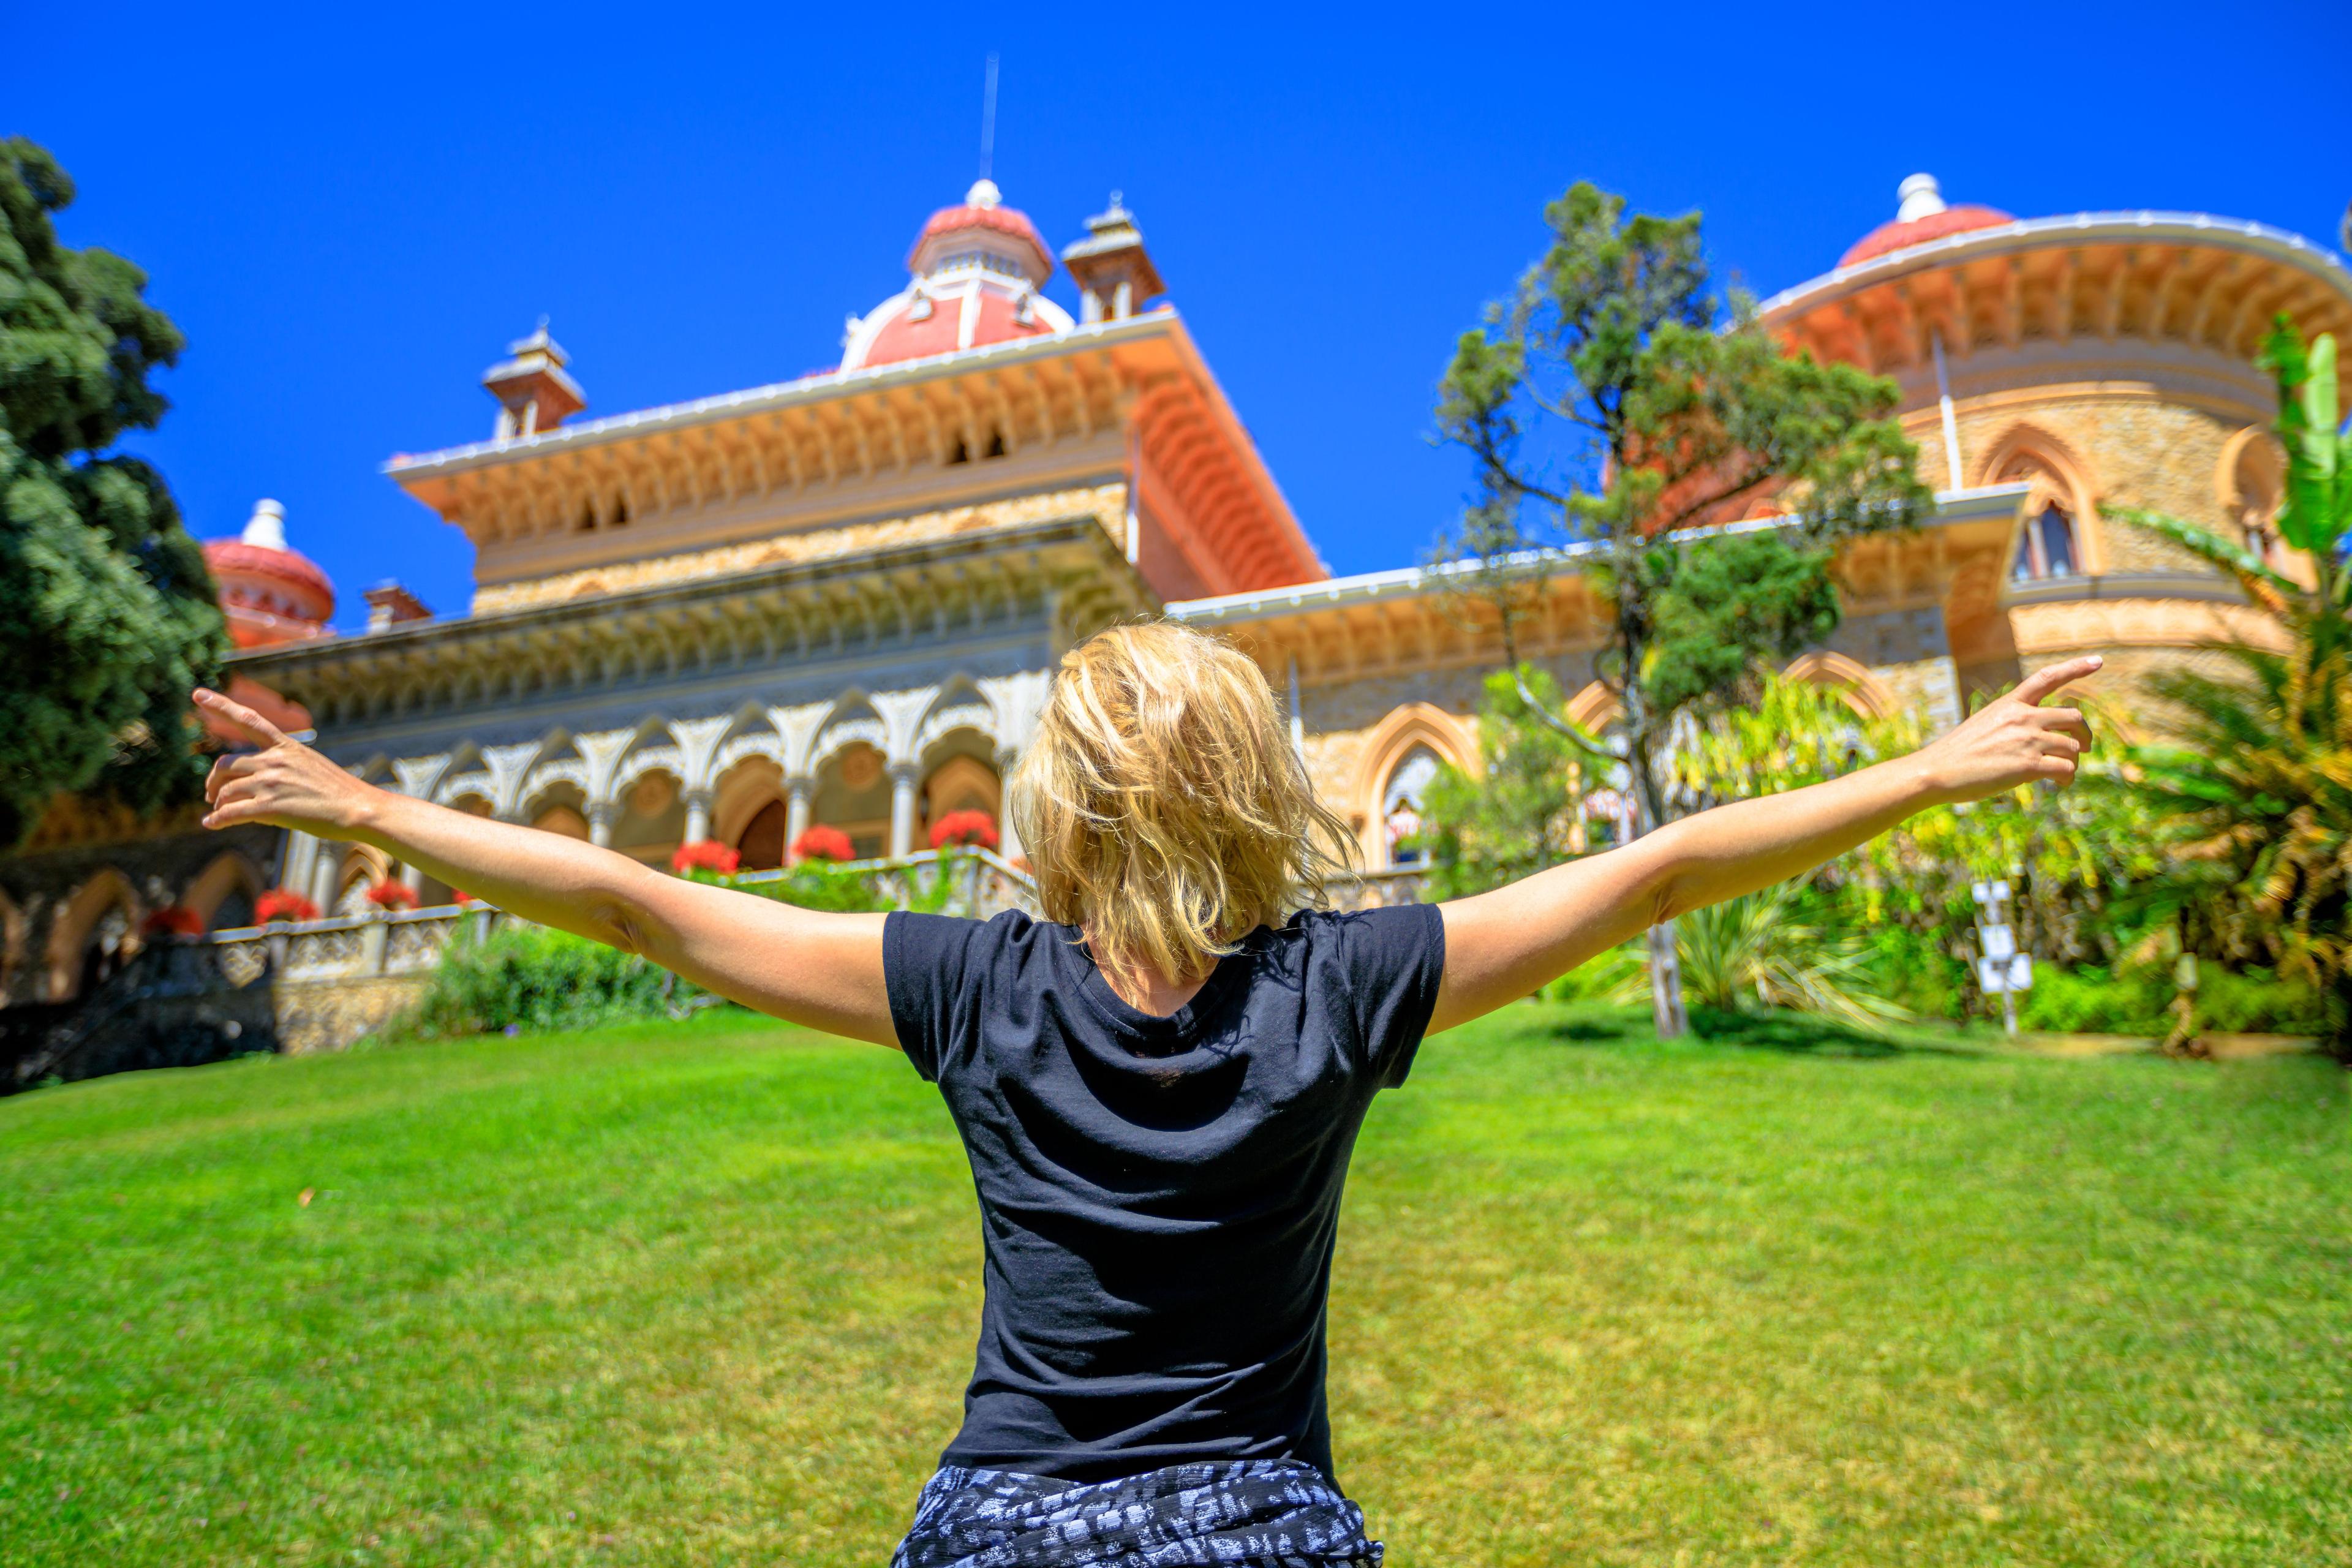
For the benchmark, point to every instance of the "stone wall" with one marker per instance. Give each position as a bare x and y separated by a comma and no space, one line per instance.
329,1014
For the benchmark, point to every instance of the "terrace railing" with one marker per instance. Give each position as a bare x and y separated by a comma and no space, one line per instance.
980,883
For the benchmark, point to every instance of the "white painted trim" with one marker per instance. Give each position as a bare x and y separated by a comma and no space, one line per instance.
1409,582
2080,228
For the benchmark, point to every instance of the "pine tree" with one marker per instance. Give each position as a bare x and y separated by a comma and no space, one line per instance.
107,616
1614,399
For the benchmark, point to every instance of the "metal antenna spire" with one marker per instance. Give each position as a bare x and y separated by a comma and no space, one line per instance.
988,119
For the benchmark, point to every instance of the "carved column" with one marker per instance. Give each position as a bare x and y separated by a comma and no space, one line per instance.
1008,841
325,873
600,824
904,778
299,865
697,815
800,791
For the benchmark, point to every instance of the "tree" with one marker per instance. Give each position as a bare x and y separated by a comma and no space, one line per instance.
107,616
2256,781
1611,401
1506,823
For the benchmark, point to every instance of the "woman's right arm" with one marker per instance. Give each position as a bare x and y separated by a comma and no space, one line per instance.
813,968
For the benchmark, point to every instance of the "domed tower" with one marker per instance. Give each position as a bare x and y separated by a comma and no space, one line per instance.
269,592
2093,358
977,270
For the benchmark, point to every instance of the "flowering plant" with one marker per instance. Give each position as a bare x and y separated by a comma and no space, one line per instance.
173,920
823,843
283,904
973,827
705,854
392,894
459,895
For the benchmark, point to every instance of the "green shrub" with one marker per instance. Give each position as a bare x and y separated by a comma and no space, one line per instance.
817,885
2092,1001
534,977
842,889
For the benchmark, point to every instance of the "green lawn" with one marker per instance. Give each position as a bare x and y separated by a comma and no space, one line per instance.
705,1294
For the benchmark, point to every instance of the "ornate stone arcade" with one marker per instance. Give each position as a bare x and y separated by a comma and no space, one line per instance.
875,693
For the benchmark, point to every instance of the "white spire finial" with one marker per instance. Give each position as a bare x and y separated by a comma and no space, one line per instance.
988,123
266,526
1918,196
983,194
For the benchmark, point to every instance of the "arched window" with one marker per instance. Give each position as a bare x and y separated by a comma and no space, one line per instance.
2252,478
1402,803
2046,546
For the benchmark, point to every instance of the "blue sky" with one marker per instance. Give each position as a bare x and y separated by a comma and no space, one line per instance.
349,214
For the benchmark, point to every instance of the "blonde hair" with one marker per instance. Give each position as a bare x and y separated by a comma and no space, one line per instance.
1162,806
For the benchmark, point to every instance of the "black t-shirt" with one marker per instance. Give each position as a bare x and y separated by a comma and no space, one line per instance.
1160,1196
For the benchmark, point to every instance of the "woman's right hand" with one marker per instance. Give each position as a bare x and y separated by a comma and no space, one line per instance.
284,784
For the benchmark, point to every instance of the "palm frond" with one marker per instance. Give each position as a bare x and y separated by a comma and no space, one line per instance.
2274,591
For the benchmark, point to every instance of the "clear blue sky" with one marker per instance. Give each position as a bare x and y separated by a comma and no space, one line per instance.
350,213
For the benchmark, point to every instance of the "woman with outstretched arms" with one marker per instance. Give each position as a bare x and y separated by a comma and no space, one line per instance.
1159,1083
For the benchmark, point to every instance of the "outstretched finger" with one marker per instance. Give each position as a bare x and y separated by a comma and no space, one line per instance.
256,727
2050,677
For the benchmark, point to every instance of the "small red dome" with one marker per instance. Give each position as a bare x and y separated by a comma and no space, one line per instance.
980,210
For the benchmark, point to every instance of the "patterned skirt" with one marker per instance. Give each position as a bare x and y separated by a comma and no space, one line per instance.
1256,1513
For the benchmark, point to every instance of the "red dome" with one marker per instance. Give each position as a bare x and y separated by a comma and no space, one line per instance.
269,594
233,557
1903,233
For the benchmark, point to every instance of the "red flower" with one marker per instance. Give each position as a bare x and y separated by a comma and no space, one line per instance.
705,854
392,894
459,895
283,904
823,843
173,920
964,827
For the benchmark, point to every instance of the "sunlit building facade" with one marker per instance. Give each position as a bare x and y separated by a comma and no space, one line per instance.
836,600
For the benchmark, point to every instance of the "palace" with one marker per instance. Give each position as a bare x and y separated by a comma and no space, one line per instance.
837,599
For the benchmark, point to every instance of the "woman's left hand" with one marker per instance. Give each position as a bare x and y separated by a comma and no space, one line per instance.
2013,740
284,784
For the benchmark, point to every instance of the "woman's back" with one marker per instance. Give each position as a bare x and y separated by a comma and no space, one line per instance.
1160,1196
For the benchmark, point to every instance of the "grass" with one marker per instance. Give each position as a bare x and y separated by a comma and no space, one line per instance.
706,1294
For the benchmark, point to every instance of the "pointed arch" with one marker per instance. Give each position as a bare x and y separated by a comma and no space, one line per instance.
2062,478
104,910
853,718
227,886
1416,726
1869,697
1595,708
363,867
2249,482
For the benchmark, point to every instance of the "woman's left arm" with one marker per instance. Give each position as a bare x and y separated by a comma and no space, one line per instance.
819,969
1508,943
